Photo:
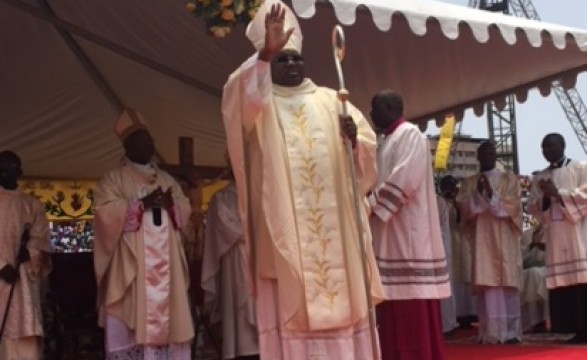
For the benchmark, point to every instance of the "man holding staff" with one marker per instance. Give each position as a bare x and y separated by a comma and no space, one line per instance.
285,139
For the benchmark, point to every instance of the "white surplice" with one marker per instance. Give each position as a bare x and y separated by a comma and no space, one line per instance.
565,225
406,226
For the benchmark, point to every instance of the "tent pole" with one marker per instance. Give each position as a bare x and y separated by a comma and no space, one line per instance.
86,62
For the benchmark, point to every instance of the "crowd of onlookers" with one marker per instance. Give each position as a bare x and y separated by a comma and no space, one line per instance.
72,236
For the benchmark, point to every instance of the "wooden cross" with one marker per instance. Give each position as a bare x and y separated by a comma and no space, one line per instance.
187,171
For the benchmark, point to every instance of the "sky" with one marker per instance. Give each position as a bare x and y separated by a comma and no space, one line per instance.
539,115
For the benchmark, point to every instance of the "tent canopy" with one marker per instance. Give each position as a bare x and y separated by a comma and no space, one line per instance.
68,67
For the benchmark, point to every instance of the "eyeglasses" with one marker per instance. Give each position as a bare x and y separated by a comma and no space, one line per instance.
284,59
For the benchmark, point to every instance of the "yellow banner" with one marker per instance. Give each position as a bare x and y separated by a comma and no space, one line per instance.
73,199
209,190
444,142
63,199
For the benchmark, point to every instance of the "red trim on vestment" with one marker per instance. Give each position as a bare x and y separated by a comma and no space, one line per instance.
391,128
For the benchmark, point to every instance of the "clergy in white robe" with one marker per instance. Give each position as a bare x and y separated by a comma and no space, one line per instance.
286,145
448,305
227,296
23,331
559,201
460,256
407,238
139,260
491,213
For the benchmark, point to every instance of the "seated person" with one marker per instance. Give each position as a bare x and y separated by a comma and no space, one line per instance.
534,295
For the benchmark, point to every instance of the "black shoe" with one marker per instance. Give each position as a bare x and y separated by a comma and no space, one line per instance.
579,338
512,341
466,322
449,333
465,326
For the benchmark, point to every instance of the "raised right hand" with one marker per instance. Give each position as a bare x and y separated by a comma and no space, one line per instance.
275,35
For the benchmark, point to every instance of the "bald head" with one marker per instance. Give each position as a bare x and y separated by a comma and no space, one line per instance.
387,106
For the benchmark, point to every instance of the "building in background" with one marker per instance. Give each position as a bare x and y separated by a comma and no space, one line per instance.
462,161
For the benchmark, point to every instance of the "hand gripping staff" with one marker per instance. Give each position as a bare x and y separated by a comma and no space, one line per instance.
23,256
338,47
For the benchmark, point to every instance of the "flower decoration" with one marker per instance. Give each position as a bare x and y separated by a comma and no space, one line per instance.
220,16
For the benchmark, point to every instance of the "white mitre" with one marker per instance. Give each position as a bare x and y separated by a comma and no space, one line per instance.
129,121
256,28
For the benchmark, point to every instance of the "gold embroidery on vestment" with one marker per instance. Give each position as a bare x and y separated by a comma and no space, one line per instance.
319,239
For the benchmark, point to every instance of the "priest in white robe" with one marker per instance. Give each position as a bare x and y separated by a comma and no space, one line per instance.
491,215
286,144
139,260
23,221
558,200
407,238
227,296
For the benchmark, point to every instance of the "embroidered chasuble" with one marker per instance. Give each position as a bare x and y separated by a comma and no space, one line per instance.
291,172
319,235
494,228
141,268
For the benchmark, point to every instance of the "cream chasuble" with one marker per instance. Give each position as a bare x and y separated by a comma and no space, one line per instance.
293,185
320,238
494,228
142,275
